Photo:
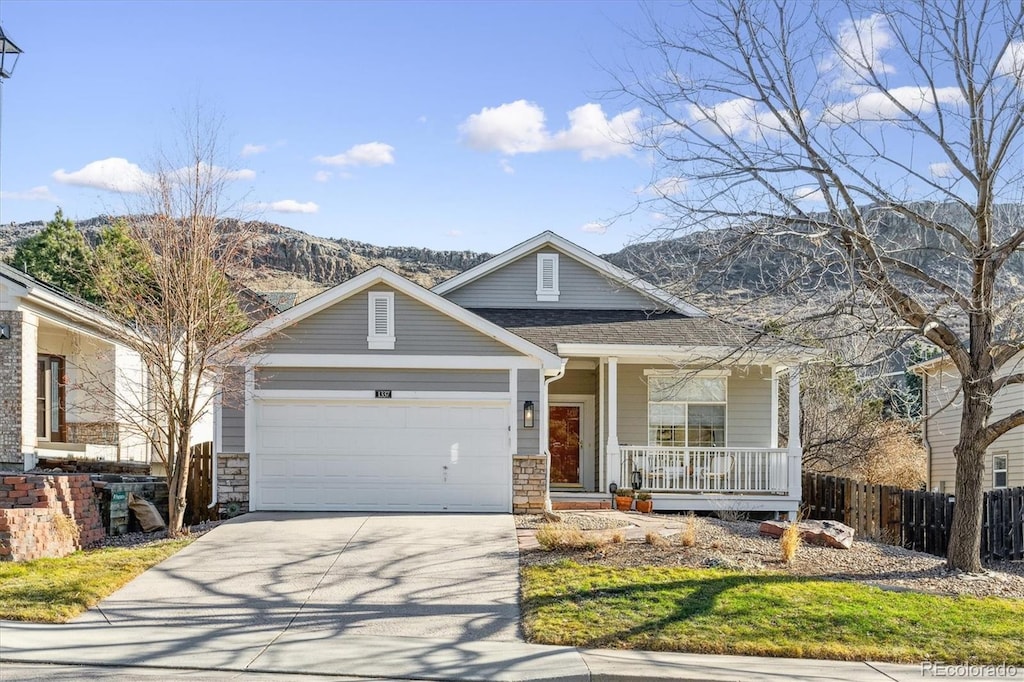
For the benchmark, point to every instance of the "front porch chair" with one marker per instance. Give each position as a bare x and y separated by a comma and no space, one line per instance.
717,472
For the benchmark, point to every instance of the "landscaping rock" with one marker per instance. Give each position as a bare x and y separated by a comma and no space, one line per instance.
824,533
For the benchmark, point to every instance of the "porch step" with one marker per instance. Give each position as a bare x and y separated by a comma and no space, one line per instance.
564,505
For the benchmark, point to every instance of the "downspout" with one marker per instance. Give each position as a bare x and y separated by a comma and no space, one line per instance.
544,432
216,447
924,427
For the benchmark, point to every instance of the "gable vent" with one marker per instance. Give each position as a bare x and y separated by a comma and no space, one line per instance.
381,333
547,276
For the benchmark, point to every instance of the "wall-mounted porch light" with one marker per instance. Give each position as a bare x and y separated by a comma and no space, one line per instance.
528,414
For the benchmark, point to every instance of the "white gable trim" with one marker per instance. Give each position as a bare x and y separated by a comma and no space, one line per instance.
579,253
381,275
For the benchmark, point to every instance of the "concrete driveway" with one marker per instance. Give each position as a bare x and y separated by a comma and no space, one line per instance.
451,577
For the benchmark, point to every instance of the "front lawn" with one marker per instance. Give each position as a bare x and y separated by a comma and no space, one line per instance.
762,614
57,590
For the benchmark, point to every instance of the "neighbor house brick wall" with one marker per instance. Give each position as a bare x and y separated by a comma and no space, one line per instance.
529,484
233,479
30,510
11,456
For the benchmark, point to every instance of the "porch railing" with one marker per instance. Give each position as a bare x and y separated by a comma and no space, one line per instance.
697,470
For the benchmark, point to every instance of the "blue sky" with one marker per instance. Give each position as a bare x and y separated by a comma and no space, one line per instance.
381,122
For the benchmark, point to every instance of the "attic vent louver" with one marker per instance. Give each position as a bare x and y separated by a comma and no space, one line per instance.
547,276
381,331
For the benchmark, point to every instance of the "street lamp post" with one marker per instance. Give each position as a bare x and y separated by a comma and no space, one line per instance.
9,53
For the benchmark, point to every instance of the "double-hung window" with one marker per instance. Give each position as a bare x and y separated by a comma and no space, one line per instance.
686,409
999,470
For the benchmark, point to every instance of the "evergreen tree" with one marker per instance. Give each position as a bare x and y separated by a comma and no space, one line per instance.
59,256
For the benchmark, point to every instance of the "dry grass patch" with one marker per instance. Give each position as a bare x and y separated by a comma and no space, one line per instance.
562,536
656,539
688,536
790,542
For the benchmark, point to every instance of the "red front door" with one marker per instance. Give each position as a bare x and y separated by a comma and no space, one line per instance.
564,443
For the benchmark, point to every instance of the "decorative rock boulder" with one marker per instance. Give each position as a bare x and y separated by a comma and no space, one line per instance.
824,533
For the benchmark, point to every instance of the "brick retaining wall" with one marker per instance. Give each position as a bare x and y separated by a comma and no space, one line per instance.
30,507
529,484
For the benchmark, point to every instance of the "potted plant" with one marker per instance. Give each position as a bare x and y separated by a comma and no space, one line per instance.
644,503
624,499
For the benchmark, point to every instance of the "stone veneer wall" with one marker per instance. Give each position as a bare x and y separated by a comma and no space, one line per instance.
11,456
529,484
30,506
233,480
112,495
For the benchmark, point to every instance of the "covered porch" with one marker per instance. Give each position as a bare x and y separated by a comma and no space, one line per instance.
697,428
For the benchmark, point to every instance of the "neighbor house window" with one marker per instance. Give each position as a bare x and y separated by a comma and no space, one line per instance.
999,470
547,276
50,418
686,410
381,334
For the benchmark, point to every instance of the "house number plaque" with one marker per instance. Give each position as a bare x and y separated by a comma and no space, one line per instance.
380,393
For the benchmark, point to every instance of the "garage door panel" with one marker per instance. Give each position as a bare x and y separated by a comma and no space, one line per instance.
393,457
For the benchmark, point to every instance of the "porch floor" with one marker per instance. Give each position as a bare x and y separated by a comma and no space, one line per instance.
703,502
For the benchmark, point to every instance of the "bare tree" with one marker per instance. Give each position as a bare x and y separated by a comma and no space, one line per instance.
878,146
173,300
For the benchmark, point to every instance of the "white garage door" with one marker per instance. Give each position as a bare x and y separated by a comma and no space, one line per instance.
381,456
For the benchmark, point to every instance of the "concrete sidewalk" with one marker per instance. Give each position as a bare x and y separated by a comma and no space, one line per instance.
268,649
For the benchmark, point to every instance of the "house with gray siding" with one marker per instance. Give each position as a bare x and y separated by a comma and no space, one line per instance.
543,378
943,403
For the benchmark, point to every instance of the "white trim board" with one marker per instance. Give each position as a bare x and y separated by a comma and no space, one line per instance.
549,238
368,395
381,275
373,361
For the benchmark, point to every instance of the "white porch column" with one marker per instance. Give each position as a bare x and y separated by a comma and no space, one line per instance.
795,447
612,448
602,457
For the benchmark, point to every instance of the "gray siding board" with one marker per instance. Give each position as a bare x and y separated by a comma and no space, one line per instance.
528,440
419,330
232,411
341,379
748,406
580,287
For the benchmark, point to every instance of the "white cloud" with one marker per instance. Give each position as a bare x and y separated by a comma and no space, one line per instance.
664,187
943,169
41,193
859,47
1012,63
506,166
809,194
594,228
322,176
738,118
251,149
120,175
368,154
453,233
520,128
114,175
286,206
878,106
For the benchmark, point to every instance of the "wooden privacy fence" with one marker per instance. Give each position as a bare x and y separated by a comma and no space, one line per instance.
200,486
914,519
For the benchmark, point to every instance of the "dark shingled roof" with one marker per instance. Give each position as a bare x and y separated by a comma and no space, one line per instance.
548,327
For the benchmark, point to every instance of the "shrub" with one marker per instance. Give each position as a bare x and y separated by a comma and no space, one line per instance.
560,536
688,536
655,539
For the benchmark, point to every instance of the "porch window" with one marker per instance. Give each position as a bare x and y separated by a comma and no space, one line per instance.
999,470
686,411
50,418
